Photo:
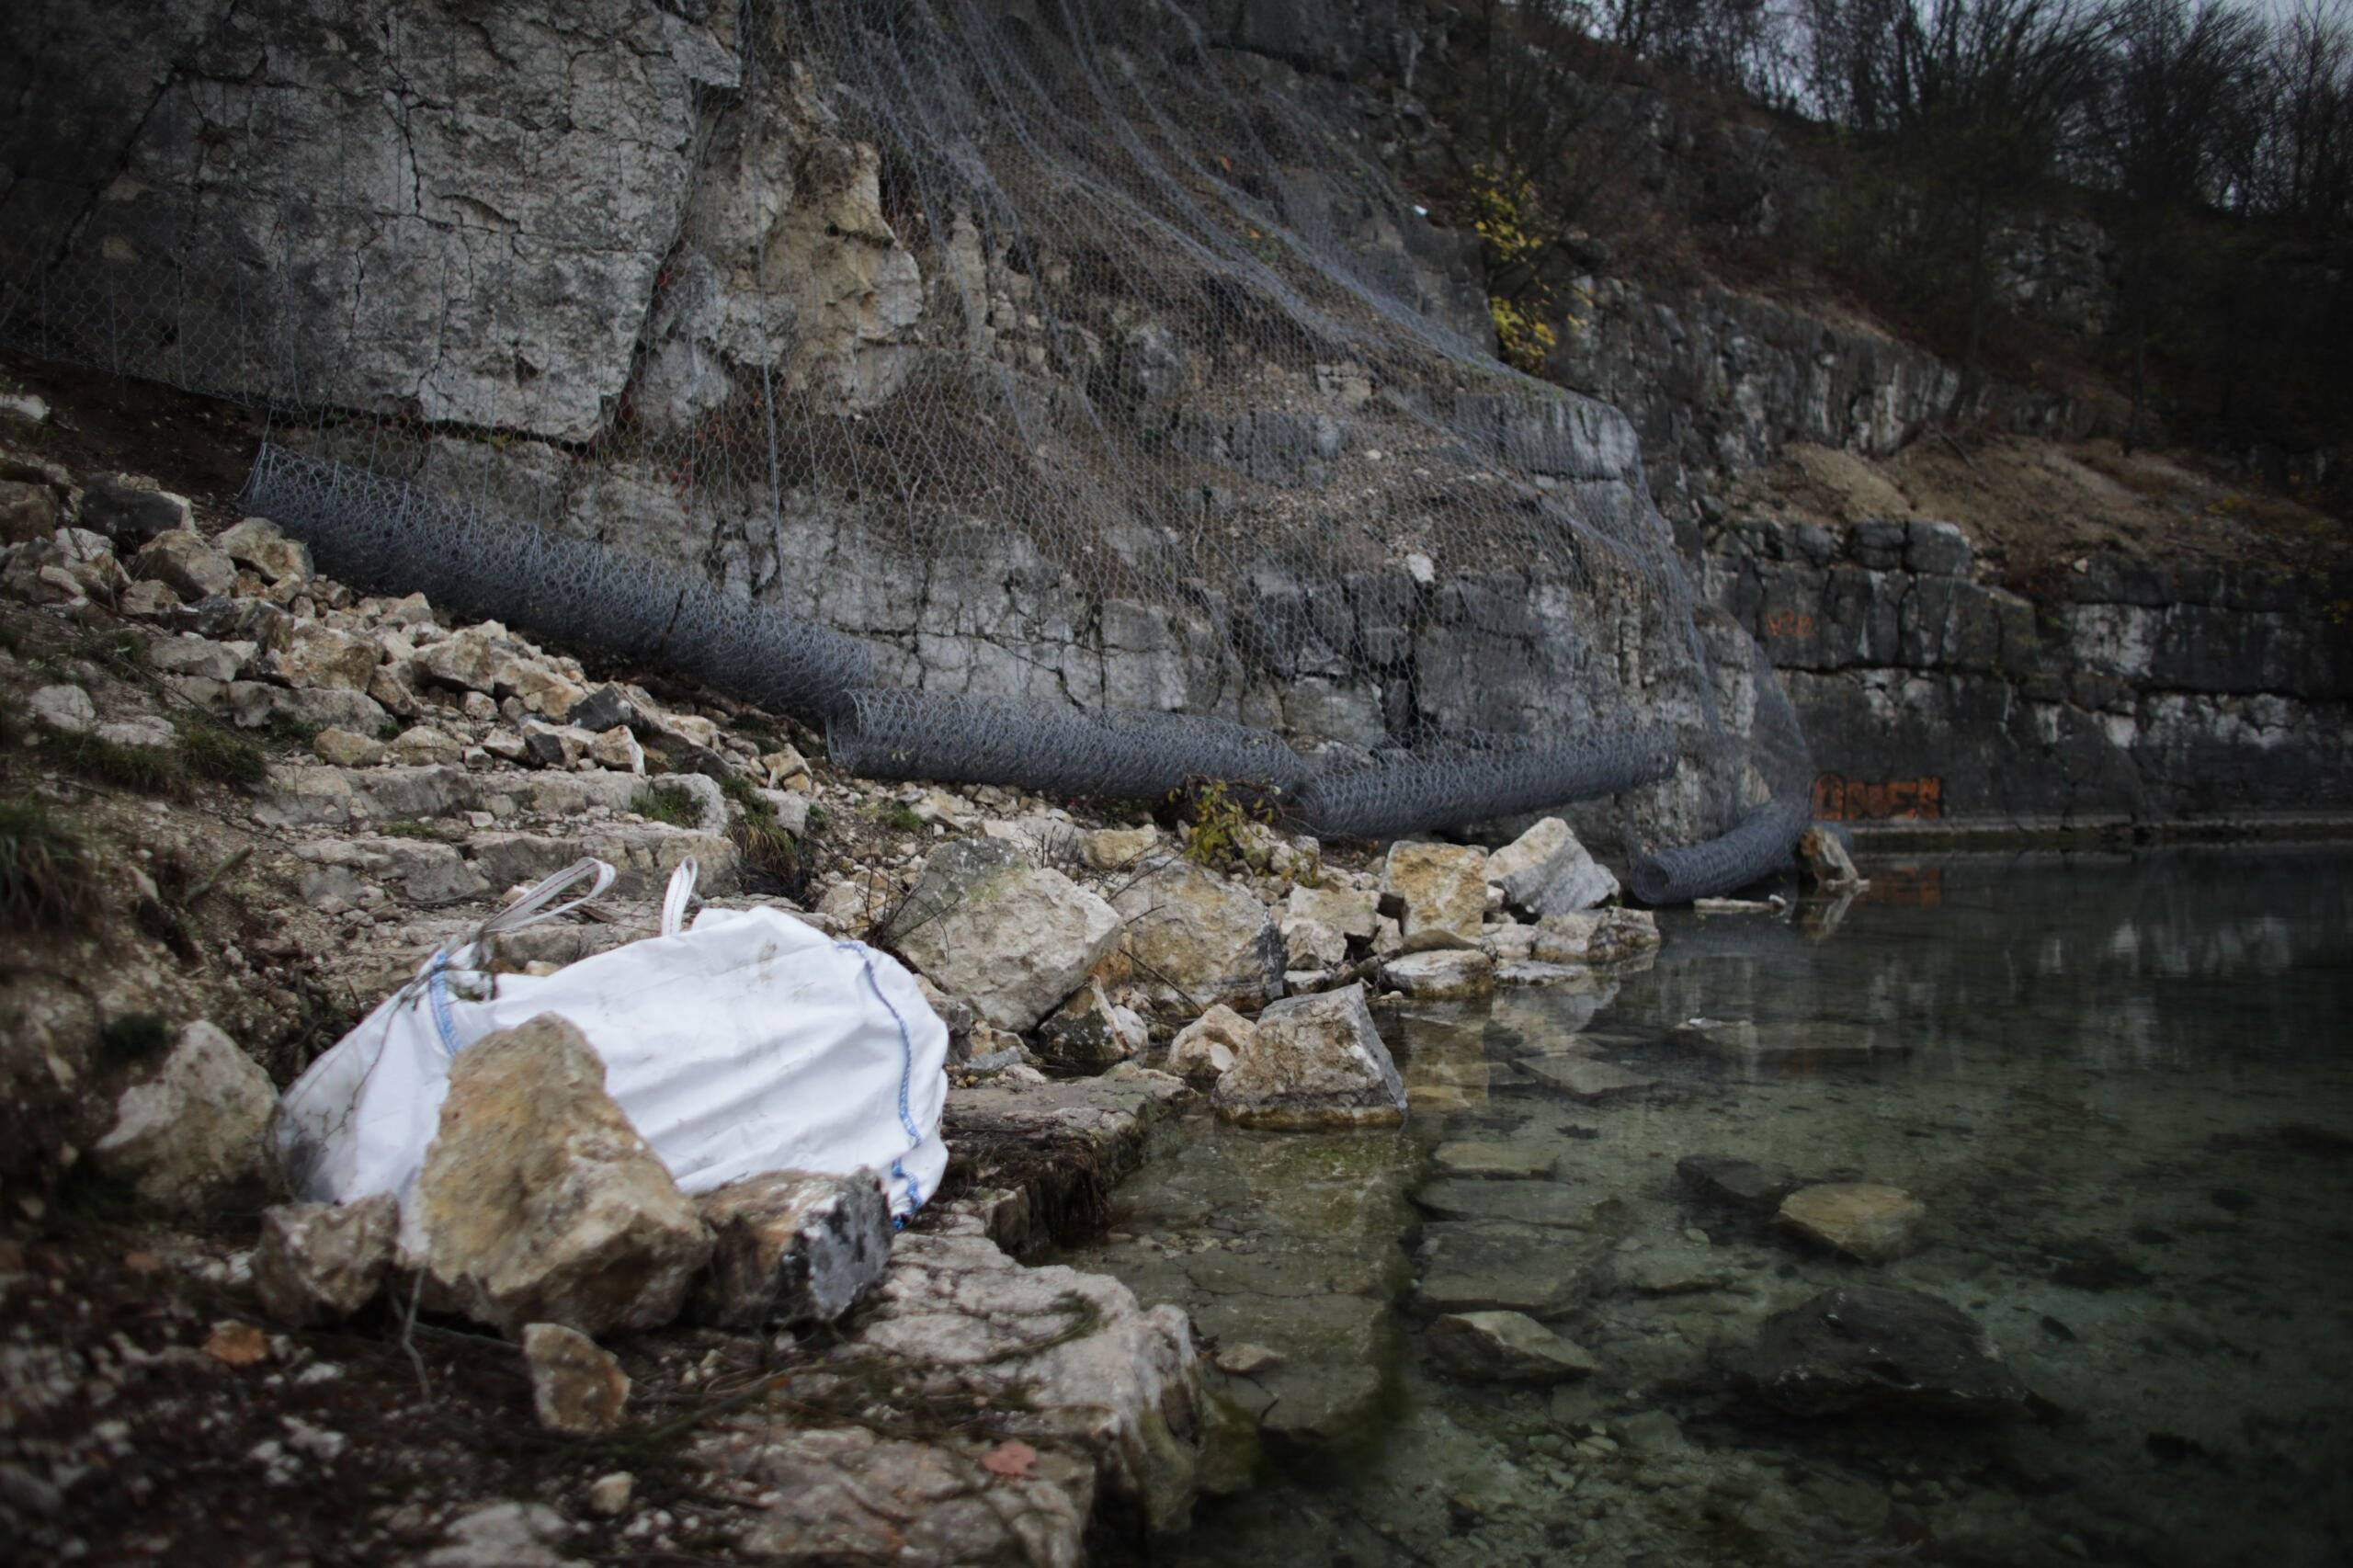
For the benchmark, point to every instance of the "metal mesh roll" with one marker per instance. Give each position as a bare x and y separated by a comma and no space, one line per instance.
381,532
1758,845
1051,749
1448,783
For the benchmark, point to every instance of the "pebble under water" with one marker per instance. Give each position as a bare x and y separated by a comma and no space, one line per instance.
2120,1088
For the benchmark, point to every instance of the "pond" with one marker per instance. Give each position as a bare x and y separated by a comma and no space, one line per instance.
2116,1096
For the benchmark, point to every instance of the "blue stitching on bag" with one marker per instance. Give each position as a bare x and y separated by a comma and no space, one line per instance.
906,1073
436,987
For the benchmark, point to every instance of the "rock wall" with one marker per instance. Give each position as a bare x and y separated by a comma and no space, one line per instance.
674,277
1719,382
2122,688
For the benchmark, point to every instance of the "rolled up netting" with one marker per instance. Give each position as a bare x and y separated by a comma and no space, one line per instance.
1759,845
382,533
1444,784
1050,748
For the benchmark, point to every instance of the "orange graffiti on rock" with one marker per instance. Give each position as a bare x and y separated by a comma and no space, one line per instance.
1860,800
1789,623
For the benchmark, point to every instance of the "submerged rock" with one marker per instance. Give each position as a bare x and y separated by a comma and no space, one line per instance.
1585,1078
321,1261
577,1388
1508,1348
1861,1348
540,1203
1315,1061
1440,975
1548,1203
986,925
1862,1219
1825,1038
1470,1158
793,1246
1734,1183
1596,937
1469,1266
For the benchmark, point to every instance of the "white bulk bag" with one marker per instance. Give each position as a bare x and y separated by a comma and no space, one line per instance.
748,1042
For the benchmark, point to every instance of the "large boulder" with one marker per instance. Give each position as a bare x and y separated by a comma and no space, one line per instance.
1440,892
1546,871
316,1262
1314,1062
1310,944
984,924
193,1130
1197,940
1866,1347
793,1246
539,1201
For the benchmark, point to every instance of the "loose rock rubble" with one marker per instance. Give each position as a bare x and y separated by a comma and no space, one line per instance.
403,778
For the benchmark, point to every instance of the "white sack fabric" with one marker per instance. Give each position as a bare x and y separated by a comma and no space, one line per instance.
745,1043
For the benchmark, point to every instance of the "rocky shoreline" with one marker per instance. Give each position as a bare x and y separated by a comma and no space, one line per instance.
265,798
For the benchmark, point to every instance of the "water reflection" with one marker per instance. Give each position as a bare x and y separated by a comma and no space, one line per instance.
2120,1088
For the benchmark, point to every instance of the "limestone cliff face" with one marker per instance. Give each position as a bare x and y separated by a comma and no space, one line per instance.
672,278
684,278
395,208
2125,688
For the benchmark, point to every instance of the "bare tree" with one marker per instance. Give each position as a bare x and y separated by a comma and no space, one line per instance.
2180,106
1976,98
2301,167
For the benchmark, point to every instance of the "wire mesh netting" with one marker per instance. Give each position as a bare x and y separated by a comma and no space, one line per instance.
1039,395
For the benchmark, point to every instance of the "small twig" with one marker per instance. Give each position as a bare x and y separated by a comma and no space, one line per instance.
1958,450
197,893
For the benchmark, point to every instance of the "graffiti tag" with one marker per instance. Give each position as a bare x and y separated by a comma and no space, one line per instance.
1861,800
1789,623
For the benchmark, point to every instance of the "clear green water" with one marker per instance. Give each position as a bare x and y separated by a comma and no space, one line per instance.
2122,1088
